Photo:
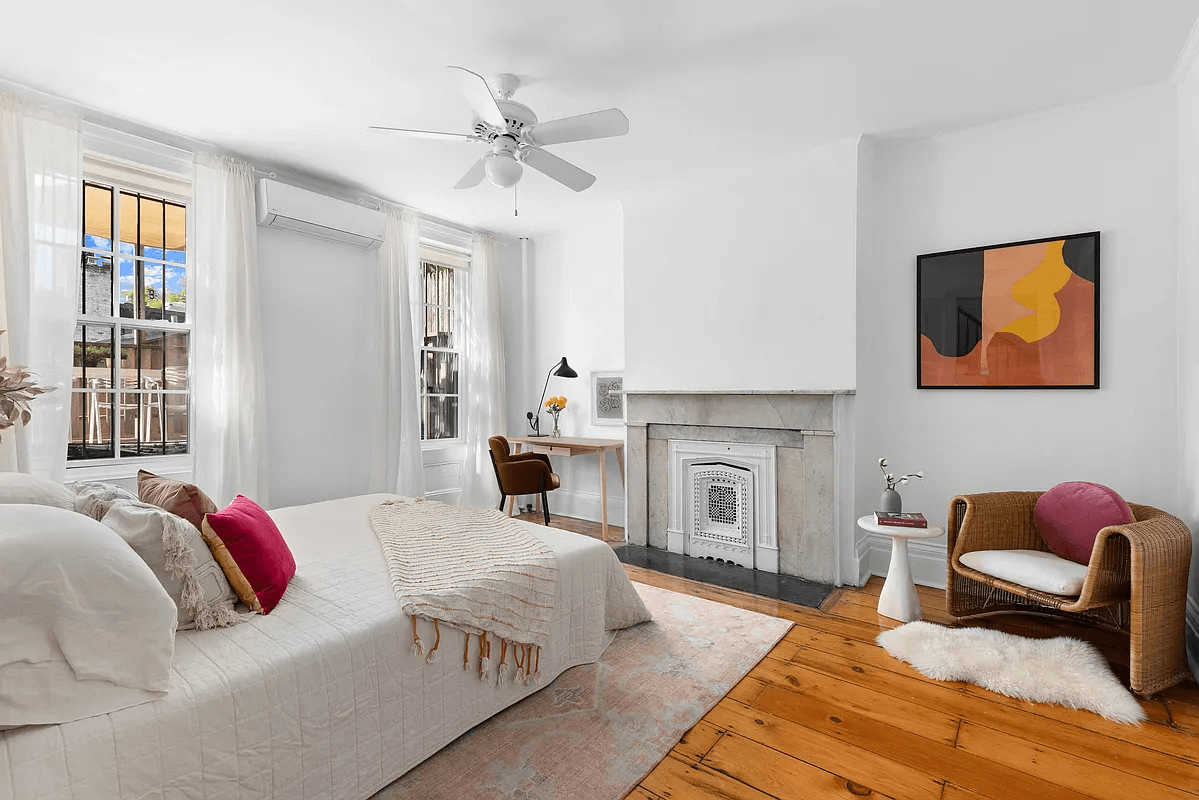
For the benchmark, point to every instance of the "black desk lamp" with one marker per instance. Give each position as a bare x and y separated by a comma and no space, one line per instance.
562,370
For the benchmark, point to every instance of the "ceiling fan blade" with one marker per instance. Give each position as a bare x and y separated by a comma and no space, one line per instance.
474,87
596,125
465,137
563,172
473,176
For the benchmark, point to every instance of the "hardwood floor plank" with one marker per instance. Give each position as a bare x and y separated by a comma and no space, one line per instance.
1090,777
641,793
698,741
746,689
1186,692
779,774
1185,717
839,626
829,753
958,793
673,779
1065,728
854,698
961,767
932,601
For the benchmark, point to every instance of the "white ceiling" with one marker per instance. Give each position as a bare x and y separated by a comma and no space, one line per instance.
296,83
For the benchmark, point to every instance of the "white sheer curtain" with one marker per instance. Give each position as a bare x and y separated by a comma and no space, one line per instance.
484,404
40,172
230,397
396,464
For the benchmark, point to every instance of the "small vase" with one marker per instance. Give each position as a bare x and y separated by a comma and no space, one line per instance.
556,432
890,502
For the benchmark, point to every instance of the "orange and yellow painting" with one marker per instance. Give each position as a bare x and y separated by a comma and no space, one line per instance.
1022,315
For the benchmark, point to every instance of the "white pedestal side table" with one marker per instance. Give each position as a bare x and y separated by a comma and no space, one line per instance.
898,599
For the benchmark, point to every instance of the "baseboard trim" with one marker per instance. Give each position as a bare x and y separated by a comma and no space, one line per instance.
926,556
581,505
1192,636
861,551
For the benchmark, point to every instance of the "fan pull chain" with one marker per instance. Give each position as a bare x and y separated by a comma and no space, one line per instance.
515,211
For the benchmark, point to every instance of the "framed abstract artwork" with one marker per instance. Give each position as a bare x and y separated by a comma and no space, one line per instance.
1023,315
607,403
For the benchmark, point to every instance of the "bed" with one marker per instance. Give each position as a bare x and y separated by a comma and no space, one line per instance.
323,698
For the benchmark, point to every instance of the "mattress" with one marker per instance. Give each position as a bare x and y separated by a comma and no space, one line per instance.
323,698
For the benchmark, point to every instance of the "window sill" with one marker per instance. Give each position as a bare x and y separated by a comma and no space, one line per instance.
109,470
442,444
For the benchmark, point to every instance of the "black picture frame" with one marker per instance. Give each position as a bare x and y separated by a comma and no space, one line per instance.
1088,243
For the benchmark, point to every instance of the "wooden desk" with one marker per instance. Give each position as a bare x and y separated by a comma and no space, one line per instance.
571,446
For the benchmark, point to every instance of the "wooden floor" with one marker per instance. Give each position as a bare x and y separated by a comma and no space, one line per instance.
828,714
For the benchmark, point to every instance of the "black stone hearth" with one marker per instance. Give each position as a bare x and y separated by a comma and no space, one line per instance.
730,576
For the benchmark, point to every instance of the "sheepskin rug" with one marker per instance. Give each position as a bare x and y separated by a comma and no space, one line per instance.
1062,670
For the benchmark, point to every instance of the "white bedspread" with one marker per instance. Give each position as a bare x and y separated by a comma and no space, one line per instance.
320,699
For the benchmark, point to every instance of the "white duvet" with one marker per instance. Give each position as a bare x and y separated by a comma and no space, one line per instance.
320,699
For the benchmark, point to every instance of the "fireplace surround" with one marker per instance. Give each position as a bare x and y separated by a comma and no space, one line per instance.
794,508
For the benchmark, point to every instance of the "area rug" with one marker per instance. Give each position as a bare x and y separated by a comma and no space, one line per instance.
1061,670
598,729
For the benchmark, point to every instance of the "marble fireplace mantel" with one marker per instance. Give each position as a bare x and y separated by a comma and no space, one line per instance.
800,423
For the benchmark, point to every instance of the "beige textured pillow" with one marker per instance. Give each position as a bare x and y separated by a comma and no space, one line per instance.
181,499
17,487
173,548
95,498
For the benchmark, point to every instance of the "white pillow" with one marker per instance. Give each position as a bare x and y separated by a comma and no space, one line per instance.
86,627
95,498
181,561
1035,569
17,487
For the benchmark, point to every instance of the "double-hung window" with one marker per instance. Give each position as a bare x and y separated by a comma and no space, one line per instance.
133,334
441,350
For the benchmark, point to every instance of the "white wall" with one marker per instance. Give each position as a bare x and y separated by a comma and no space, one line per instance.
318,325
1188,333
745,281
1108,165
577,311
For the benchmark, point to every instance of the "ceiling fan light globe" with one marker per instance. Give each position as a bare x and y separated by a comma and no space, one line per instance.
503,170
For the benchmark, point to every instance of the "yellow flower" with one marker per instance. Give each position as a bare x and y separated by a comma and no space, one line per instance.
549,402
561,402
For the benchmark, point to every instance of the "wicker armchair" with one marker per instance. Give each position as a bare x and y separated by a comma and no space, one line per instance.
1136,580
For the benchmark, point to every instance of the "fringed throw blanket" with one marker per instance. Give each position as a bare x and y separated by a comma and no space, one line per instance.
477,571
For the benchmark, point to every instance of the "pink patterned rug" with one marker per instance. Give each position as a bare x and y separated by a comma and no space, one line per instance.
598,729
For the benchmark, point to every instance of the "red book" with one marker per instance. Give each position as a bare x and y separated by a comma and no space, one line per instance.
900,520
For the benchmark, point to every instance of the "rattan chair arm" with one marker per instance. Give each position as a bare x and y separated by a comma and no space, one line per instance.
993,521
1161,543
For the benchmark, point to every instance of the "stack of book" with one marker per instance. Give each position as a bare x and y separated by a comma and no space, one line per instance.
897,520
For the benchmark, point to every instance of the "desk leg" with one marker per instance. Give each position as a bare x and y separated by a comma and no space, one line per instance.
512,499
620,463
603,496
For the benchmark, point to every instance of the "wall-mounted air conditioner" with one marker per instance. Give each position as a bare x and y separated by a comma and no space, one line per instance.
291,209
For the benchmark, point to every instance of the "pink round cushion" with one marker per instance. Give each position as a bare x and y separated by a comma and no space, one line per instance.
1070,516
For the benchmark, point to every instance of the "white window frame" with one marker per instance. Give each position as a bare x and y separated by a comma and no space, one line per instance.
460,264
141,179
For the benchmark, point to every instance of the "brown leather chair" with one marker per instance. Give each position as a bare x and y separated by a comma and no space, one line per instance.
523,473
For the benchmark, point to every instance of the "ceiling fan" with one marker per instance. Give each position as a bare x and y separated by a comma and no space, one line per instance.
516,137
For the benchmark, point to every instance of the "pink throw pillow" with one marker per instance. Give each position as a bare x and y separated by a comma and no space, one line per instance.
247,544
1070,516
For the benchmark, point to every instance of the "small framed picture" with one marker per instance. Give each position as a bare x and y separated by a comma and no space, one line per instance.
607,402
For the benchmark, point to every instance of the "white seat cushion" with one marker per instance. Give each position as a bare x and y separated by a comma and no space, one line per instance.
1035,569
